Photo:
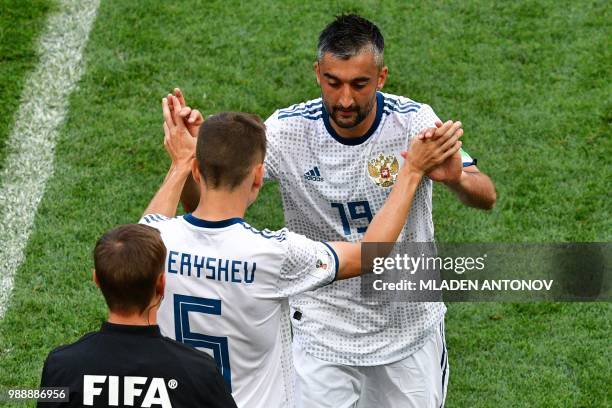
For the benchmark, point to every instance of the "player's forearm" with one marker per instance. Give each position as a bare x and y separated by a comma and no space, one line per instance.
475,189
349,259
390,219
167,197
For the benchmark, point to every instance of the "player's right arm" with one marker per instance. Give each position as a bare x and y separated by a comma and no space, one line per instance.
386,226
191,119
180,145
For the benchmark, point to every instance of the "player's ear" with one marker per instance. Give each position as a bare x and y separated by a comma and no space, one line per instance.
94,277
259,172
257,175
317,72
160,287
382,78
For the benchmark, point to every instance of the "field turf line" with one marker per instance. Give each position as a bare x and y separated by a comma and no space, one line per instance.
31,144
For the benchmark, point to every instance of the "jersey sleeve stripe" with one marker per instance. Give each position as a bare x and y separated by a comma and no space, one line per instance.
313,116
402,110
403,105
280,236
306,108
335,259
399,104
302,105
312,108
388,112
303,110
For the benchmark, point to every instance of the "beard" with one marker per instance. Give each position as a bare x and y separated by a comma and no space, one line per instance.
347,122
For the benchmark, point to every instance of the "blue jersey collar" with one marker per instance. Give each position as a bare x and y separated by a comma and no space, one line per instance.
354,141
211,224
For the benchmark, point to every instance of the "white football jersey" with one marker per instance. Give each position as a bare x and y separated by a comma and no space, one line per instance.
331,188
226,293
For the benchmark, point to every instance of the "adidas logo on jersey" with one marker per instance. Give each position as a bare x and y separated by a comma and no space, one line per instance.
313,174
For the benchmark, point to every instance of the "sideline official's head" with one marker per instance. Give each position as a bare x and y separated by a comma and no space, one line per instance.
129,266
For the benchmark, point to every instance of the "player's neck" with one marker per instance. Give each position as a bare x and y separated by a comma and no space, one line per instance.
218,205
359,130
134,319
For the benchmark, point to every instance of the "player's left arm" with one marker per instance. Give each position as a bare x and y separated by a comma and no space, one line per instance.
473,188
180,145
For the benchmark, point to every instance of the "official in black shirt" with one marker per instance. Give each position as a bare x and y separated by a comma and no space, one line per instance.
128,362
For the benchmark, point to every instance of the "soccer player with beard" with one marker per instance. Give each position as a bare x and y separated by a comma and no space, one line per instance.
336,159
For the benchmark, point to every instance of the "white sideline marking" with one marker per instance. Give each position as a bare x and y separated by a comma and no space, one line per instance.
30,146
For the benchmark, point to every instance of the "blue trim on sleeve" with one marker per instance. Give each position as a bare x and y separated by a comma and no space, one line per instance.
153,218
468,164
335,259
310,111
211,224
301,106
312,116
394,105
354,141
279,235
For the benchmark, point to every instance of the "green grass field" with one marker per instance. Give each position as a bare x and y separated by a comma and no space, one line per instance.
20,24
530,81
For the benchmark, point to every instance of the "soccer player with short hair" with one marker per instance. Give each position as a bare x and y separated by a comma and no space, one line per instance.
335,160
227,282
128,362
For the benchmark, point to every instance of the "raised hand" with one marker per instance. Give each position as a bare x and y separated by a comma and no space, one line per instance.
450,170
178,142
440,129
192,118
425,154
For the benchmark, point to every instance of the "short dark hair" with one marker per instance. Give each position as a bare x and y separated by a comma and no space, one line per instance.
128,261
229,145
348,35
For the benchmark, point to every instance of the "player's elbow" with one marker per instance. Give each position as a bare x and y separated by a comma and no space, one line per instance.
488,201
481,201
485,195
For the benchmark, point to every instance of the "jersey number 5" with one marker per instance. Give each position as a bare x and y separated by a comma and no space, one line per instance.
183,305
357,210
